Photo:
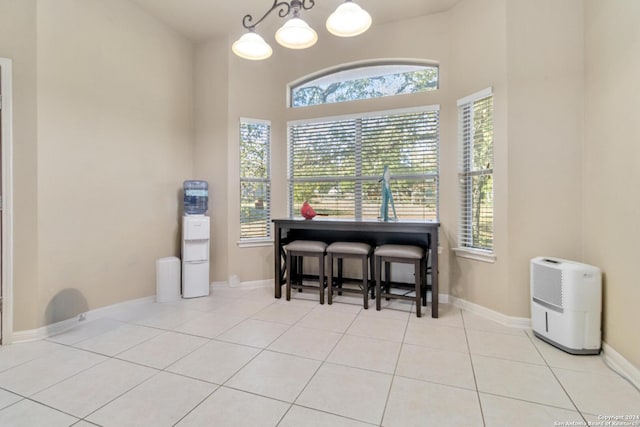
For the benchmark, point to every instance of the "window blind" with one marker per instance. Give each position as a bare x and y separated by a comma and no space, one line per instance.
336,163
475,170
255,180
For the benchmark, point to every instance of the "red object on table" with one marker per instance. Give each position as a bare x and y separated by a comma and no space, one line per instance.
307,211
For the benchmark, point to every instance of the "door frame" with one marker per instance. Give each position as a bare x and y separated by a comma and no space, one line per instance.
7,201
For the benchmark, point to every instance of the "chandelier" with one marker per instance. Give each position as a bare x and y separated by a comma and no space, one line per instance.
348,20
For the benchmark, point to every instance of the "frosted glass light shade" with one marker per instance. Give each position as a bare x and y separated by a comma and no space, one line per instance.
348,20
296,34
252,46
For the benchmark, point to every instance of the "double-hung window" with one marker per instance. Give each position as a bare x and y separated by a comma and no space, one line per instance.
336,163
255,180
475,172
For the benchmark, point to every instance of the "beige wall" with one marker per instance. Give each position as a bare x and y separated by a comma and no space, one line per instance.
545,66
478,52
114,142
211,144
532,55
612,155
18,42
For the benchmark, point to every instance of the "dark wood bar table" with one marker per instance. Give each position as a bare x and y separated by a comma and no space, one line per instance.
375,233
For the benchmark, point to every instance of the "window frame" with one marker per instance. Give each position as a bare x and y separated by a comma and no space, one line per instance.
467,248
358,179
268,237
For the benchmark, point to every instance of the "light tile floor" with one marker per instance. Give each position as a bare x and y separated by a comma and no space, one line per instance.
242,358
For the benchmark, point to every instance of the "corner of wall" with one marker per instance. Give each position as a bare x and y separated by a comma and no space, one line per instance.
211,143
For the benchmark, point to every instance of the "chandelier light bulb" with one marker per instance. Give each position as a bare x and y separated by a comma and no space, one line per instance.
296,34
348,20
252,46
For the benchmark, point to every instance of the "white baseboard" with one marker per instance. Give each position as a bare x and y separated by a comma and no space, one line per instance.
514,322
59,327
442,298
218,284
622,366
235,283
254,284
44,332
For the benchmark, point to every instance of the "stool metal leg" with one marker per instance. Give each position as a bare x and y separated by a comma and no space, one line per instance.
299,271
288,276
378,262
321,277
339,281
365,283
423,278
387,277
418,273
330,279
372,275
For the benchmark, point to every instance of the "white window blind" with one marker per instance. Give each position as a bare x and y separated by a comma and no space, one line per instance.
255,180
336,163
475,171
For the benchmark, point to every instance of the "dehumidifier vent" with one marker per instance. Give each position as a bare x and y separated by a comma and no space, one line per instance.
547,284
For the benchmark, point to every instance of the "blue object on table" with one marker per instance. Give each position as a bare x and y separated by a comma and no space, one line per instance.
387,196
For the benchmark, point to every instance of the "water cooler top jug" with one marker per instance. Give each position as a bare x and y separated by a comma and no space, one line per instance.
196,197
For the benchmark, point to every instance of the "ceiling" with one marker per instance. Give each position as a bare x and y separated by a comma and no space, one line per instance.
203,19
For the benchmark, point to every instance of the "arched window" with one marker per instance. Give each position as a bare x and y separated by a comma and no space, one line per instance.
364,81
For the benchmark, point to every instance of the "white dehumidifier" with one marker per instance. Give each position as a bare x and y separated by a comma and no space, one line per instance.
566,304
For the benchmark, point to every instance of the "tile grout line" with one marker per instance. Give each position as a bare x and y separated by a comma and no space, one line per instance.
67,377
557,379
158,370
395,369
262,350
107,359
322,363
119,396
197,405
473,369
219,386
208,340
531,402
47,406
532,364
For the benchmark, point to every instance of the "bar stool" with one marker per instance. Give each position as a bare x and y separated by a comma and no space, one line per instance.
401,254
342,250
305,248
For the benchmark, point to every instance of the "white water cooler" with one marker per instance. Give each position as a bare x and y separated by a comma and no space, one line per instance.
195,256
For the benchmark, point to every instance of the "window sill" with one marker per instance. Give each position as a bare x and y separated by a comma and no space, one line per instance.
254,243
476,254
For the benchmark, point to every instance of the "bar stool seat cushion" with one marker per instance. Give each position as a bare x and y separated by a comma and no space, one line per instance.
400,251
306,246
351,248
